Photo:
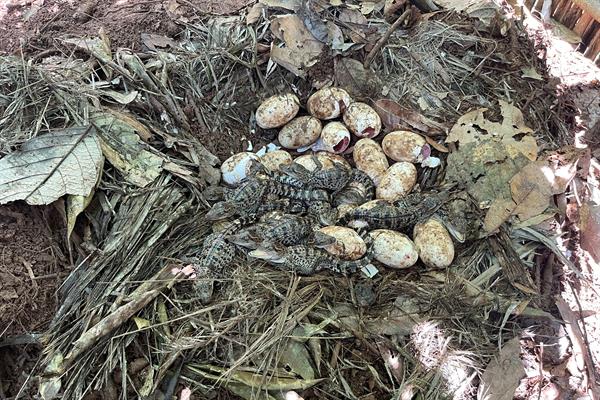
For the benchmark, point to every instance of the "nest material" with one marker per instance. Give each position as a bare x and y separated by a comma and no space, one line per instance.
204,94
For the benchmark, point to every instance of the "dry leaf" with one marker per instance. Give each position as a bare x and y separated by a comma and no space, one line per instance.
152,41
49,166
123,148
296,359
355,25
394,117
474,127
292,5
255,13
502,375
360,83
499,212
531,189
302,49
391,6
589,224
438,146
530,72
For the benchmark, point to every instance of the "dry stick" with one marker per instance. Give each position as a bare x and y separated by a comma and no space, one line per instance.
578,343
385,38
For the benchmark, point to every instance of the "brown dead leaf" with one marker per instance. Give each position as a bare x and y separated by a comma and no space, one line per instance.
355,25
362,84
152,41
531,189
503,374
475,127
254,13
589,221
498,213
302,49
391,6
394,117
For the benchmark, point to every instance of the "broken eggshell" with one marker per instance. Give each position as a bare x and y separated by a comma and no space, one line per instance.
434,244
300,132
273,160
370,158
362,120
328,103
397,181
349,245
403,146
393,249
236,168
335,138
277,111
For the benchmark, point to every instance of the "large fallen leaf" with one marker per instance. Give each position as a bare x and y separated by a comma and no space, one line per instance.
499,212
361,83
475,127
49,166
395,117
123,148
296,359
503,374
589,217
531,189
302,49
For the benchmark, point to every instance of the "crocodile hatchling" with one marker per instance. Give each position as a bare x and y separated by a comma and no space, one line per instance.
359,189
334,178
403,215
307,260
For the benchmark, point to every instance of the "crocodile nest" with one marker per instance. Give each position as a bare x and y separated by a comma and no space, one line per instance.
127,325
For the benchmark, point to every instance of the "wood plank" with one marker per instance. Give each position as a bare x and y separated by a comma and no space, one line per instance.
572,16
594,46
591,7
584,22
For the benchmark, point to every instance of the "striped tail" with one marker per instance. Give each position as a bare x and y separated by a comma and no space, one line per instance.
350,267
299,194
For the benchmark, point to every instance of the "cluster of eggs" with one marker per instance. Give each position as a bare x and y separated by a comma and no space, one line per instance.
332,118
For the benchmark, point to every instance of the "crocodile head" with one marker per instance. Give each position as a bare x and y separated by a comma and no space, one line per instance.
245,238
221,210
270,254
320,239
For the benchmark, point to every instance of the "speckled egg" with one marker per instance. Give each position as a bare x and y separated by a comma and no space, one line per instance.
334,158
370,158
308,161
362,120
273,160
300,132
393,249
236,168
397,181
403,145
328,103
335,138
277,111
434,244
349,245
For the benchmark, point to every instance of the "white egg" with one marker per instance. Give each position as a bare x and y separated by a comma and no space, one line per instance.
434,244
277,111
397,181
370,158
273,160
328,103
335,138
236,168
349,245
300,132
362,120
403,145
308,161
393,249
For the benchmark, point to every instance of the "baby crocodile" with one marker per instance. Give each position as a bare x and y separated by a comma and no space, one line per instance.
307,260
359,189
401,217
333,179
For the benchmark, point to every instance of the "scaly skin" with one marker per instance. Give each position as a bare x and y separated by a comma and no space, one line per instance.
333,179
409,211
359,190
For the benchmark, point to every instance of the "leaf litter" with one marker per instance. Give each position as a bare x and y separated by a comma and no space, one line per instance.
248,340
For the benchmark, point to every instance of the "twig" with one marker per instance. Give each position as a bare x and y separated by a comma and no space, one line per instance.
385,38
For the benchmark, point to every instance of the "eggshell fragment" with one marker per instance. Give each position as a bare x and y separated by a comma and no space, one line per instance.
349,246
300,132
434,244
273,160
370,158
403,145
277,111
328,103
236,168
393,249
397,181
362,120
335,138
